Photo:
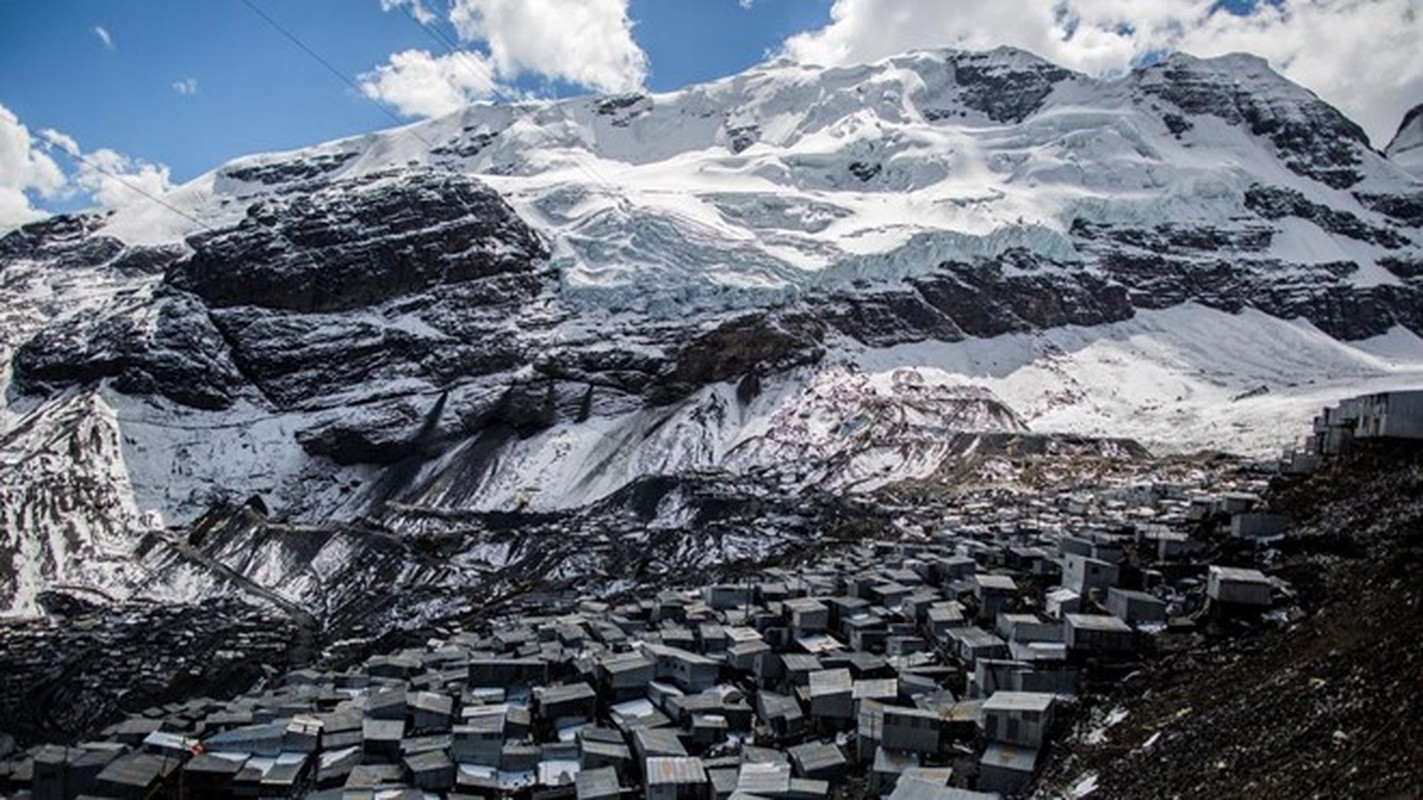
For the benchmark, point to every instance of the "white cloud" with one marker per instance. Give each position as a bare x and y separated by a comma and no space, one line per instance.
419,84
110,178
103,34
584,42
1363,56
29,170
24,167
417,8
63,141
186,87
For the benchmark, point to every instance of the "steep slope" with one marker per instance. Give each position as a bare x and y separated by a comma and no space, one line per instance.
1325,707
1406,148
817,274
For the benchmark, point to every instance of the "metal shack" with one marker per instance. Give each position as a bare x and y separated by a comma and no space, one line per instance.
1396,415
1135,607
1096,633
1006,768
1237,586
677,778
1021,718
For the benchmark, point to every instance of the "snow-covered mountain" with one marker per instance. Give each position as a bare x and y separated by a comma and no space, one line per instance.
1406,148
817,275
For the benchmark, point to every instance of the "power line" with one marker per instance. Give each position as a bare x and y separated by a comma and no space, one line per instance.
343,77
449,46
452,48
92,164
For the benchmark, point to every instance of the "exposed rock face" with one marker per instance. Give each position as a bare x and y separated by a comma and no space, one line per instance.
993,298
1274,203
431,267
359,243
1005,93
1406,147
170,349
758,343
370,321
1405,209
1313,138
289,172
65,240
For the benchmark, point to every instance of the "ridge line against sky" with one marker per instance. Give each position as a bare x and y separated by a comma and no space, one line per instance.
174,89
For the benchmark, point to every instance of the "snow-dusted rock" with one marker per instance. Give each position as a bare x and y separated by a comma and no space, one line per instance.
831,278
1406,147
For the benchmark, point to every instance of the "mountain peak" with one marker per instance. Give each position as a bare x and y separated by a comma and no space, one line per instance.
797,271
1406,147
1237,63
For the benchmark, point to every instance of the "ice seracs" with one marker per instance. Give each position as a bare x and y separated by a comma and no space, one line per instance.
840,278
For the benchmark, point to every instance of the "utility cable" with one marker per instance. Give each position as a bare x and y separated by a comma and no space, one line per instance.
343,77
92,164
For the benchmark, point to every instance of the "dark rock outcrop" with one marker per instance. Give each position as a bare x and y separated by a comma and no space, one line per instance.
758,342
179,355
1312,137
1170,236
1004,93
291,170
67,239
1406,209
991,298
1273,202
359,243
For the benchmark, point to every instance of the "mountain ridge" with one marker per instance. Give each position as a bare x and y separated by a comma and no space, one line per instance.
816,274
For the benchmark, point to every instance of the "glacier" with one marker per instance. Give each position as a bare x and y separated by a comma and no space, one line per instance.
818,275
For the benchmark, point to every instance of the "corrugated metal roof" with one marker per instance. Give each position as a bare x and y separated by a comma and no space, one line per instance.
598,783
975,637
892,713
1096,622
1001,582
605,749
214,764
626,662
876,687
814,756
1239,574
565,693
661,741
1018,701
432,702
137,769
800,662
675,770
831,681
488,721
769,780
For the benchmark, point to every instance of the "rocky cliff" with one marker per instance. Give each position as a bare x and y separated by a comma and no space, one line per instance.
820,275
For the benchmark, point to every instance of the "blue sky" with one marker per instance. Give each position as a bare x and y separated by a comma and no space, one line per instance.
160,91
256,91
